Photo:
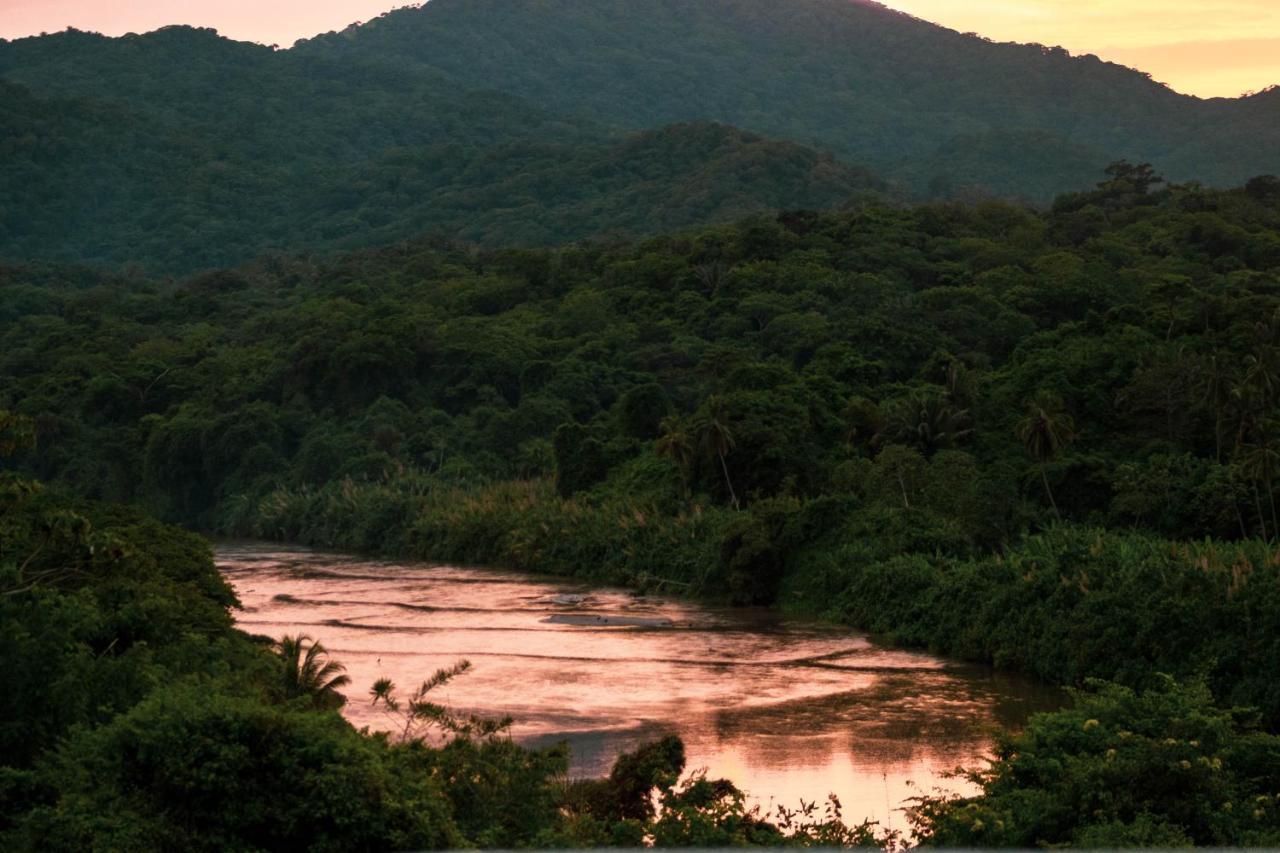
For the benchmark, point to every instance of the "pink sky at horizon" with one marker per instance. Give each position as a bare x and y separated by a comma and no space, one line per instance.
1202,47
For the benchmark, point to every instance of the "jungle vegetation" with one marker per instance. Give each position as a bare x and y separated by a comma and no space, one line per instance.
137,717
1044,440
933,108
180,150
797,305
540,123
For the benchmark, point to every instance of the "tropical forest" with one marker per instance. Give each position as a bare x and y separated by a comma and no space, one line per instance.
592,423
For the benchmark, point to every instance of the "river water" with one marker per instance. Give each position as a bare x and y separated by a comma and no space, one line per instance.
787,709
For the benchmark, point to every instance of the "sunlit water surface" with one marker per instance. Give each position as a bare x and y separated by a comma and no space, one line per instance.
787,709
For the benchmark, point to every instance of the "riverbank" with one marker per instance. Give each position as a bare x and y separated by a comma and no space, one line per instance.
1066,605
140,718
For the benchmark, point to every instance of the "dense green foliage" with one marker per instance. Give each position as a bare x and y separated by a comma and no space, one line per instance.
181,150
1047,440
1072,604
136,718
1111,361
935,381
929,106
1161,768
539,123
1041,440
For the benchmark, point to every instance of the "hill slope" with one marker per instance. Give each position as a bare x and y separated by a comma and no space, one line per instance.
182,150
876,86
514,121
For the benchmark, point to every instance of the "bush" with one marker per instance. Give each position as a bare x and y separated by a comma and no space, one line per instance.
1162,767
192,768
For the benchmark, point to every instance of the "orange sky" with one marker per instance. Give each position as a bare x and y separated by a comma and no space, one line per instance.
1202,47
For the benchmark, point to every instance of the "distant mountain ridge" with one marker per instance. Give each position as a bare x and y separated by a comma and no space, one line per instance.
539,121
874,85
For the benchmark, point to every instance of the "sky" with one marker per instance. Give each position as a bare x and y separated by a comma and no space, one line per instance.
1201,47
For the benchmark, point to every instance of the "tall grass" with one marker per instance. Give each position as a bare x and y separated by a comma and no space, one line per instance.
1070,604
522,525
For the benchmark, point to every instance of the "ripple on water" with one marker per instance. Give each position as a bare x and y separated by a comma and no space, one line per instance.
785,708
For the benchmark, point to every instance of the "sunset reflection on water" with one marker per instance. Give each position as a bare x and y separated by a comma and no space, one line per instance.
788,710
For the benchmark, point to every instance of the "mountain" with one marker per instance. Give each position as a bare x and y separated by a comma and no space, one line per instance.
181,150
875,86
541,121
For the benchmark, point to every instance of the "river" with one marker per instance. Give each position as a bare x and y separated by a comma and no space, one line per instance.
787,709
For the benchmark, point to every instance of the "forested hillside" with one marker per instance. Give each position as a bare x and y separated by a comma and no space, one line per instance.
1045,441
940,380
181,150
518,123
1147,312
804,304
934,108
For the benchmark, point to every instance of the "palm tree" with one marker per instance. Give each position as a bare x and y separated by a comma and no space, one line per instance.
1216,385
417,713
1260,463
928,421
1044,432
716,438
1262,377
309,672
710,276
675,444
